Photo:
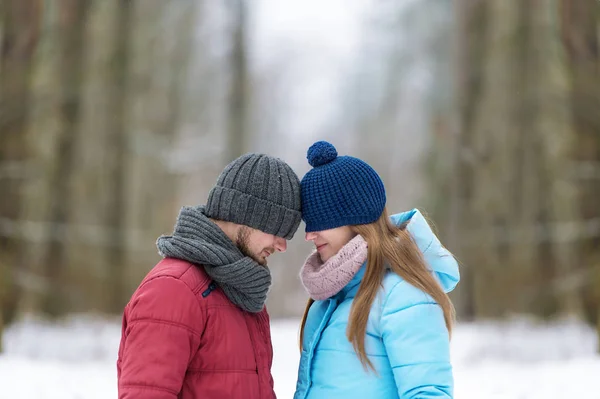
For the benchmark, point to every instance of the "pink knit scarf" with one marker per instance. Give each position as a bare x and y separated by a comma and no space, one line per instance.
324,280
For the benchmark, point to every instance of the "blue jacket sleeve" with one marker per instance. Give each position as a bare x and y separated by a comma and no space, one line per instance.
417,343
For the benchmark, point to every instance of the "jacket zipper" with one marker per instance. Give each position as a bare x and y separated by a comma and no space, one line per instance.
210,289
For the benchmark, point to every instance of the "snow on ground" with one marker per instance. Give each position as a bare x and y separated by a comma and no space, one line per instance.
518,360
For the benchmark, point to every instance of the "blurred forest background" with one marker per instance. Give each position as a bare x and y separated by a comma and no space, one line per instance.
485,114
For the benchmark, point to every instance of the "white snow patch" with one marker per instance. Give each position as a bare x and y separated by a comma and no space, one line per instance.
492,360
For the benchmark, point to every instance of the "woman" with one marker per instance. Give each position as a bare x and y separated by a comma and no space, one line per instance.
378,321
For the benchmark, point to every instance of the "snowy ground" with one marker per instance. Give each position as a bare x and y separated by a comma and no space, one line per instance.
512,361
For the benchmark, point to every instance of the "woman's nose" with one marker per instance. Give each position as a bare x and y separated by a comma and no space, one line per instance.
310,236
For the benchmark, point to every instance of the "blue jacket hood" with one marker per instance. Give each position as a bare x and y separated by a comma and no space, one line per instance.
438,259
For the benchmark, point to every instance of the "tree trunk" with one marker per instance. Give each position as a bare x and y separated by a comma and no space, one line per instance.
473,31
237,110
554,130
72,17
21,30
580,23
117,143
485,154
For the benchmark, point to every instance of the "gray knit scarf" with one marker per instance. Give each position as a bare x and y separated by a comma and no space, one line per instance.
198,240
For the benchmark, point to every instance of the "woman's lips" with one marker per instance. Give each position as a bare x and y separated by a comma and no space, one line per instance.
320,247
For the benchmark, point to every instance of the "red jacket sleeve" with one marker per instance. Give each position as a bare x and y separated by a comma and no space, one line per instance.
161,332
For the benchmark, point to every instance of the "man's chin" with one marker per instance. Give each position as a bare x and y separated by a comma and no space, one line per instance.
263,262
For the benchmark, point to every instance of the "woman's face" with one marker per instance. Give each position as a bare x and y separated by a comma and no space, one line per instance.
329,242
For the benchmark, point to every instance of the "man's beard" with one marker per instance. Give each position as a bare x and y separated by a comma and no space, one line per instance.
241,242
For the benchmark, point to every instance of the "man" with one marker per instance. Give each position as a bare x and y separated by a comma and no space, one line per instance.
197,326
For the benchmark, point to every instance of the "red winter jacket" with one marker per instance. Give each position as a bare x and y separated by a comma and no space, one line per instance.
182,338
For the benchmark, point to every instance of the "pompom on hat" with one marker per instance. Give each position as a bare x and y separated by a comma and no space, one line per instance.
339,190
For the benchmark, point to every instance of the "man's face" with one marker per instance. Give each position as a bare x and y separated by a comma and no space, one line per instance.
259,245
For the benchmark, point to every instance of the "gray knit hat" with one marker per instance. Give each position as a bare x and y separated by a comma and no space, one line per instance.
258,191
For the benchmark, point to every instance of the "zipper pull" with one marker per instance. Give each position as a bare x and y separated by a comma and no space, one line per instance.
210,289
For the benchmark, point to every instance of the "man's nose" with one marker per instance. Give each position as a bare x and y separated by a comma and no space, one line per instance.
311,236
280,244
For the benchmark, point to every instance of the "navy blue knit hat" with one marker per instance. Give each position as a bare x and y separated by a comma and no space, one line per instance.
339,191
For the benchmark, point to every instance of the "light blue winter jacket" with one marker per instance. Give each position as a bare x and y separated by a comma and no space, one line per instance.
407,340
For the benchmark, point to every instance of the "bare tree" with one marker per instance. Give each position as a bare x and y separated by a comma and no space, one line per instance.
21,31
237,97
580,23
72,23
117,170
473,31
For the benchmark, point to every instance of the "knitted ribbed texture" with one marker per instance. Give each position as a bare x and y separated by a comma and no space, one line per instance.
324,280
258,191
339,190
198,240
